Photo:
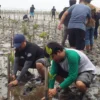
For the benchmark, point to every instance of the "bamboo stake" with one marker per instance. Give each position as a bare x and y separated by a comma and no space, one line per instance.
8,68
46,79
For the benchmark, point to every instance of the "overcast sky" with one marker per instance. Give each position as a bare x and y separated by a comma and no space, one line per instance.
39,4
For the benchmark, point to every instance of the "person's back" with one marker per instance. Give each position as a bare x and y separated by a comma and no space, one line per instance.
32,49
53,11
32,9
79,13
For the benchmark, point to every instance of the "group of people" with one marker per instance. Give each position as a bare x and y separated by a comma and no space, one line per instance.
25,17
69,65
32,9
80,25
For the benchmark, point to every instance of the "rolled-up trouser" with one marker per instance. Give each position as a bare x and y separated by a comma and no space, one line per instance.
64,35
89,36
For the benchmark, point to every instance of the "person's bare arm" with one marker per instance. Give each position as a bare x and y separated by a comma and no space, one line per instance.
62,20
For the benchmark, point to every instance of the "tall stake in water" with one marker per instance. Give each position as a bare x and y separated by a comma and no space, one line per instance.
46,79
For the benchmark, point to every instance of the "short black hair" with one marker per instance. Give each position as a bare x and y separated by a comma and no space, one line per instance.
88,1
72,2
54,46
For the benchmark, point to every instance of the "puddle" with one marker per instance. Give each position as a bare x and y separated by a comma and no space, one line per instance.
16,93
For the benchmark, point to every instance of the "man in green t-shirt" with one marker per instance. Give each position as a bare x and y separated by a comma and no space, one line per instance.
68,66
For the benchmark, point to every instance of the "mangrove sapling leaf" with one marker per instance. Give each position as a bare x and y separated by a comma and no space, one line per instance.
43,35
35,26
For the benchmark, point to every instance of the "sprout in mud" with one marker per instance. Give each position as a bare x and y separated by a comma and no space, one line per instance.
43,35
35,26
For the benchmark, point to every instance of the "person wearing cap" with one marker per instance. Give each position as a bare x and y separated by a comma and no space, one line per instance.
68,66
77,24
27,55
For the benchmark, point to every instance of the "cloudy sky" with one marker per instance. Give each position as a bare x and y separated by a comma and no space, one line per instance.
39,4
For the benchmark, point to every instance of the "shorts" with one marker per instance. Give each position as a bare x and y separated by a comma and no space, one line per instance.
85,77
40,60
77,38
31,13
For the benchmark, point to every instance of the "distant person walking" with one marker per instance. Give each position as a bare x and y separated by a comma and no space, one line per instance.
32,8
53,11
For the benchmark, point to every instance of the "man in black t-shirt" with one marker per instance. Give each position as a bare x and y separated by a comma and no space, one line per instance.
27,55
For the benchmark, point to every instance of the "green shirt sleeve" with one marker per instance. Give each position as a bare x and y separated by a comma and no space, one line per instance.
73,62
52,74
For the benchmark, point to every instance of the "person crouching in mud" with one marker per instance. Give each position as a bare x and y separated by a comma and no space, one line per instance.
68,66
27,55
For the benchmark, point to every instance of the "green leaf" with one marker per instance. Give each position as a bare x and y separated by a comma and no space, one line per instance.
48,50
51,77
35,26
43,35
11,58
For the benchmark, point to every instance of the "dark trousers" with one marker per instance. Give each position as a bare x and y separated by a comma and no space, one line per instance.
76,38
64,36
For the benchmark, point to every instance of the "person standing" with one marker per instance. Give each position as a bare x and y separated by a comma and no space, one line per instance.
32,8
97,18
53,11
66,21
77,24
90,27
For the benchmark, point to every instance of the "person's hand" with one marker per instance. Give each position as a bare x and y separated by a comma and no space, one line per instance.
50,98
60,26
13,77
52,92
43,98
13,83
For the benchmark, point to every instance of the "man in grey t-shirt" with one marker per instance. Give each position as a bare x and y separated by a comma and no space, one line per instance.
76,26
